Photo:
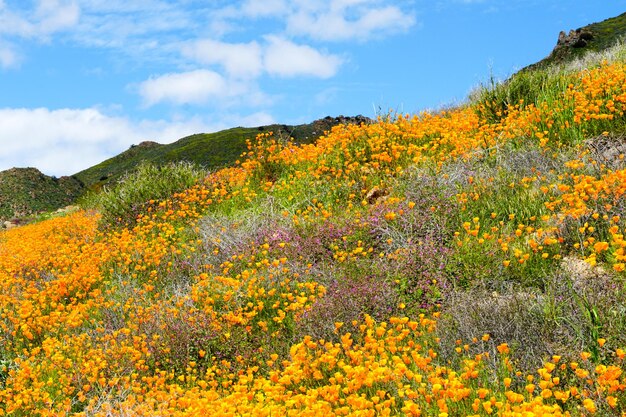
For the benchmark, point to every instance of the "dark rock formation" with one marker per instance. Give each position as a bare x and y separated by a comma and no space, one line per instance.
348,119
578,38
327,123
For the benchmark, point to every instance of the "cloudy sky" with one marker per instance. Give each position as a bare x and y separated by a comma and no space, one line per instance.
82,80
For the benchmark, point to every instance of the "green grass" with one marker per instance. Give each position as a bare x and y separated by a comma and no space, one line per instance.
120,203
209,150
541,85
548,86
606,34
26,192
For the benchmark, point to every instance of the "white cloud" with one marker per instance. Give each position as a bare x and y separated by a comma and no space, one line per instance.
275,56
237,59
133,26
56,15
183,88
153,28
284,58
8,57
342,20
38,22
324,20
264,8
62,141
66,141
139,29
47,17
201,87
243,64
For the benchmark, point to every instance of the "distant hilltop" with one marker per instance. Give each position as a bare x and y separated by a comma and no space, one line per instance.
27,191
576,43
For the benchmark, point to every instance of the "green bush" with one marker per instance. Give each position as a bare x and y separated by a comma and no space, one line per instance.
121,203
496,99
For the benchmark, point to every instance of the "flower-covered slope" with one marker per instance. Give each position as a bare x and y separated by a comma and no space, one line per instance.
419,265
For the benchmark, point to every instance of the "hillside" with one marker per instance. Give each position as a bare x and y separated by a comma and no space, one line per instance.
576,43
26,191
209,150
468,262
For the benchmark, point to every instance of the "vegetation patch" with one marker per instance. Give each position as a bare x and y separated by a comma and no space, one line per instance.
26,191
466,262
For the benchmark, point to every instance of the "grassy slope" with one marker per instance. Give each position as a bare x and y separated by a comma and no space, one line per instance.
471,262
26,191
605,35
210,150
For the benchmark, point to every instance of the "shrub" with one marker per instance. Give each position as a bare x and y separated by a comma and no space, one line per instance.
349,298
496,99
121,203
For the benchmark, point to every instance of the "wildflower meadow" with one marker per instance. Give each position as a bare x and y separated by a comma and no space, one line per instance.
463,262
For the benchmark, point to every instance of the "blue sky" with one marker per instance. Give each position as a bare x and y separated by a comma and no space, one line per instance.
82,80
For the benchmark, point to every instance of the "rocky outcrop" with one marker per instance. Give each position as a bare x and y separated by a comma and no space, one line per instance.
308,133
578,38
575,44
327,123
357,120
8,225
146,144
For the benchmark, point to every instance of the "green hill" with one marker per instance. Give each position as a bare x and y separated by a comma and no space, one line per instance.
595,37
26,191
468,262
210,150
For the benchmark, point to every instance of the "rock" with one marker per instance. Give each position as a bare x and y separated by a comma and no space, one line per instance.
9,225
341,119
67,209
583,275
374,194
574,44
146,144
578,38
